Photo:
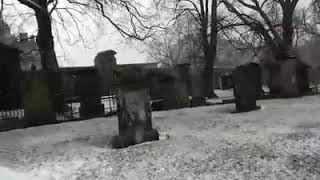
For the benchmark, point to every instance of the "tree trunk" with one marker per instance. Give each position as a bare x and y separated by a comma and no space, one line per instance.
45,39
210,51
208,74
49,62
288,30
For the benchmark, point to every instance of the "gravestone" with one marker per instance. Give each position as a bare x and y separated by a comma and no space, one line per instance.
88,88
256,78
225,82
246,88
170,87
197,89
182,85
134,110
37,101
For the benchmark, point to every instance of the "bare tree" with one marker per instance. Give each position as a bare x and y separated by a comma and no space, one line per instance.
205,14
310,18
178,43
44,37
136,21
254,15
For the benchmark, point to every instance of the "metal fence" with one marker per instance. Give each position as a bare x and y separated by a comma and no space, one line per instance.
71,113
11,114
73,108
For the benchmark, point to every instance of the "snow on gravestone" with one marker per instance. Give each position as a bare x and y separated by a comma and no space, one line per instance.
134,110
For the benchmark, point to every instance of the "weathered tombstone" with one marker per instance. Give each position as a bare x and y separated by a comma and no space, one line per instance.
134,111
168,90
197,89
245,88
225,82
88,88
288,78
170,87
38,103
182,85
256,78
303,78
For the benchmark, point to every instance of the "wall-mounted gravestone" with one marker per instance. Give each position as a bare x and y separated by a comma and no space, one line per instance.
245,88
37,100
88,88
134,111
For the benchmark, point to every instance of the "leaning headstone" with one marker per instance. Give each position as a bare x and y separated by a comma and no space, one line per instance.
245,89
134,110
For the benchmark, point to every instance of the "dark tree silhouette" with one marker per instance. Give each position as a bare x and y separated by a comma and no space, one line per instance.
262,24
138,25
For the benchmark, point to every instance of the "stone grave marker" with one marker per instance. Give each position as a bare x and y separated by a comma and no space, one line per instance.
134,110
246,88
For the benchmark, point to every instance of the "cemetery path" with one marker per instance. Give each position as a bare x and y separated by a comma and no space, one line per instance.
280,141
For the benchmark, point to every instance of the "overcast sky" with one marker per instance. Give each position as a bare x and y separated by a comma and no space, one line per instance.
78,55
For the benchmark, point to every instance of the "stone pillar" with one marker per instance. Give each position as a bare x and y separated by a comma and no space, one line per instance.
245,89
88,88
105,62
134,111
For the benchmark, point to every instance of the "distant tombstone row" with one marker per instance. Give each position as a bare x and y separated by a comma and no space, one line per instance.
247,87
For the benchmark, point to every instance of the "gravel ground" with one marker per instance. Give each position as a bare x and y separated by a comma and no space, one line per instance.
280,141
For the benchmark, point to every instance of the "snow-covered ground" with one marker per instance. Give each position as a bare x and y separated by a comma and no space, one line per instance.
280,141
